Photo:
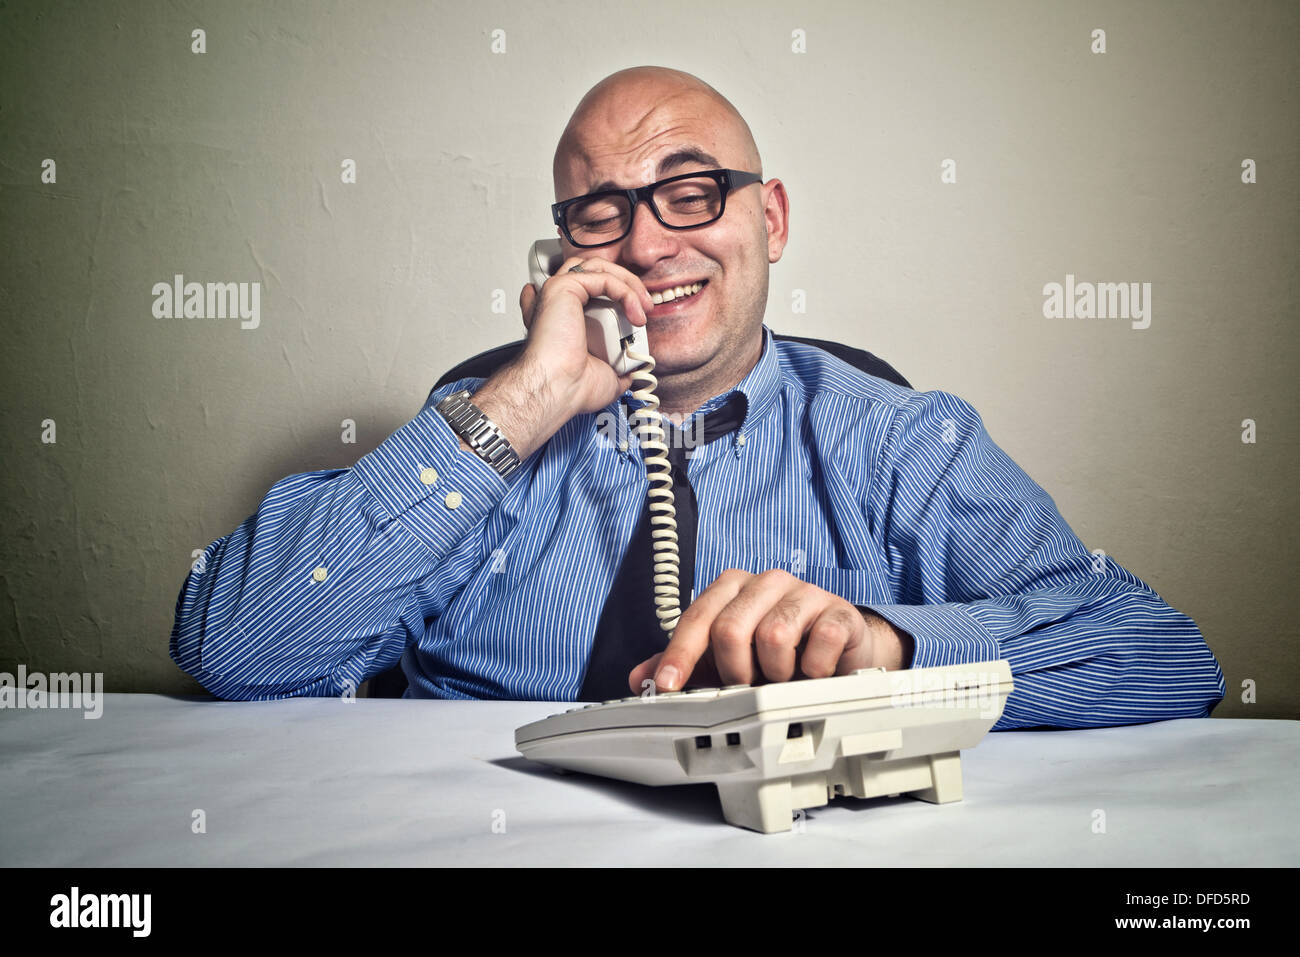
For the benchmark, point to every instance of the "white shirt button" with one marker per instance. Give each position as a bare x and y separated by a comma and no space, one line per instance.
452,500
740,439
320,574
428,476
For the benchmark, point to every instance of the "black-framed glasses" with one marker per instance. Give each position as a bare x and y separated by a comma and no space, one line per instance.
679,202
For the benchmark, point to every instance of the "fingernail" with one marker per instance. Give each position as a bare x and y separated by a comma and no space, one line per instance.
667,677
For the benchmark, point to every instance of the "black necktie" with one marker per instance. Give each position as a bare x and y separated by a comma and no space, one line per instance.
629,632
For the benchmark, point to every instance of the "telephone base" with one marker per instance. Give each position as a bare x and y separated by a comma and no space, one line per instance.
770,806
776,749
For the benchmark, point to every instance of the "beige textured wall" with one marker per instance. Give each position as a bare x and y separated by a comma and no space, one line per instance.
1123,166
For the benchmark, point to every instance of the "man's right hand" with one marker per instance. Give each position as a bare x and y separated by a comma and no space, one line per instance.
555,377
557,329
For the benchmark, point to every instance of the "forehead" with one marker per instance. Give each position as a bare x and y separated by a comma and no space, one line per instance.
633,137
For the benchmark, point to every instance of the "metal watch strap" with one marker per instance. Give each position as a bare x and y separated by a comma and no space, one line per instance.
482,434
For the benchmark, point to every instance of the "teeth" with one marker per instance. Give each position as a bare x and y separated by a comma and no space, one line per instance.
677,292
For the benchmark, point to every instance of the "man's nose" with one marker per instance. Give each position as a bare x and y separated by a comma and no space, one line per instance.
648,240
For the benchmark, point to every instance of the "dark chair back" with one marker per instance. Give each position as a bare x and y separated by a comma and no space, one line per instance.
486,363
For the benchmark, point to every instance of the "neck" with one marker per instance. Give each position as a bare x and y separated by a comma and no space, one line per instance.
683,393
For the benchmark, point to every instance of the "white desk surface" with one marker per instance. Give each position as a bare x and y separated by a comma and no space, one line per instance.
319,781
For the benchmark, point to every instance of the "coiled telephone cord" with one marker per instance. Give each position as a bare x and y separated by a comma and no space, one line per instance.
663,508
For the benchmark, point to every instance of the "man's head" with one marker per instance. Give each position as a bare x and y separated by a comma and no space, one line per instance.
645,124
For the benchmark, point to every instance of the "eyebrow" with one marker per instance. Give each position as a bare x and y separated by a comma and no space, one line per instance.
674,160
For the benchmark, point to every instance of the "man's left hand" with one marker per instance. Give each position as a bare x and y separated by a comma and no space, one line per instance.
744,629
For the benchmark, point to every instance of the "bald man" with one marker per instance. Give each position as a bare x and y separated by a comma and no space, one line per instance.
630,129
510,568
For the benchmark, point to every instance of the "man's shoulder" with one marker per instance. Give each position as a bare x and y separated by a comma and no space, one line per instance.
820,370
856,396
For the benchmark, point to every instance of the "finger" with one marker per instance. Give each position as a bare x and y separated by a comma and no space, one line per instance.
612,282
527,299
642,673
691,636
705,674
839,627
780,631
732,634
598,264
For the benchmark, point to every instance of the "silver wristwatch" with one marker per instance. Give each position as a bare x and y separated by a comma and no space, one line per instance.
482,434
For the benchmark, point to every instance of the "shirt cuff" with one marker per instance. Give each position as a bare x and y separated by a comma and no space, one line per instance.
941,634
427,482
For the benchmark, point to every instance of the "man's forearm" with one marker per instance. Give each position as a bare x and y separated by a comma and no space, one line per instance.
1082,655
308,596
517,399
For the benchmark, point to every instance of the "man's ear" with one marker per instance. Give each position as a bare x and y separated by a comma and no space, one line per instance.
776,215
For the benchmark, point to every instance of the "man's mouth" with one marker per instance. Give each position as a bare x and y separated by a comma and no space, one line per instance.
670,300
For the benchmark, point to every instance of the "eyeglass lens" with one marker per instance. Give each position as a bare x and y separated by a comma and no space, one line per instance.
683,202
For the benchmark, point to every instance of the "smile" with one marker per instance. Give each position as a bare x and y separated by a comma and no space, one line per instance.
677,292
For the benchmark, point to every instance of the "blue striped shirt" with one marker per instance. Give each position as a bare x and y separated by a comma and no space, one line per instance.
898,501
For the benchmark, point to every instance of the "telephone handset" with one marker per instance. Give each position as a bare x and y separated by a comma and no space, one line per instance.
625,347
609,335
